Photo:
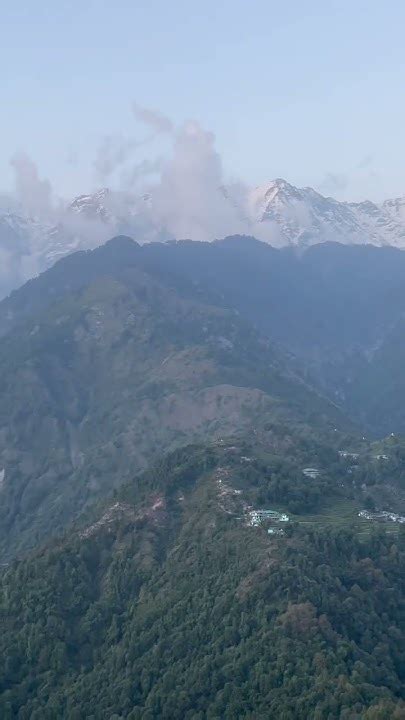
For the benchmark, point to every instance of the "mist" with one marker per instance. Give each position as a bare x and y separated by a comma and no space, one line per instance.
32,194
161,181
189,199
185,186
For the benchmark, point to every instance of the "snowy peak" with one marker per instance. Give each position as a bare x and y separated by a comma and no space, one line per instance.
279,191
277,194
91,205
277,213
89,220
395,208
282,214
119,210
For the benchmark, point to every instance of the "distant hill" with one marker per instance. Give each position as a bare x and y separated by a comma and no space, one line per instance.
339,310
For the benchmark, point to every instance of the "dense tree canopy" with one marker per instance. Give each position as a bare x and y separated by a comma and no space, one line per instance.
170,607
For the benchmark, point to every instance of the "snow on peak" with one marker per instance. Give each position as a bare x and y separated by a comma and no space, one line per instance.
276,212
91,205
282,214
395,208
274,192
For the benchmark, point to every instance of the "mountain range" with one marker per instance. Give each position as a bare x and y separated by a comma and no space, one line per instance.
286,216
277,213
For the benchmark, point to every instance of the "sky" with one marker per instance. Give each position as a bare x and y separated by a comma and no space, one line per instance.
310,91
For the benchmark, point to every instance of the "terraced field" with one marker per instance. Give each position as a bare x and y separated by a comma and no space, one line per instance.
344,514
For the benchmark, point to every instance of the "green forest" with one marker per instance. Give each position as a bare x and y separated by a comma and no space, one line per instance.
163,605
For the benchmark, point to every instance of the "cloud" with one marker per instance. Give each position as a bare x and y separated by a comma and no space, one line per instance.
179,193
33,194
72,156
134,175
116,151
365,162
154,119
186,185
334,182
189,200
113,152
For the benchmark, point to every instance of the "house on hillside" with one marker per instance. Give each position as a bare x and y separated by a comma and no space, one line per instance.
257,517
311,472
346,454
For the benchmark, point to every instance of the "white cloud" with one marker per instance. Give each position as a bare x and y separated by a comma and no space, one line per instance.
34,194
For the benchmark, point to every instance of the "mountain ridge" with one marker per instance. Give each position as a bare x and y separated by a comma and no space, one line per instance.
105,365
276,212
331,310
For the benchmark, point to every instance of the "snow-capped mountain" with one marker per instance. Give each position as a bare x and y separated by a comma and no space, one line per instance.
92,206
29,245
284,215
277,213
90,220
396,208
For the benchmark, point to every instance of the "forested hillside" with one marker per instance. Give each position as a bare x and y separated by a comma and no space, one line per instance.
338,309
257,573
168,603
104,367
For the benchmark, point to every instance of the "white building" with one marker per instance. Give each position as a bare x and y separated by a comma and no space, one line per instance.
311,472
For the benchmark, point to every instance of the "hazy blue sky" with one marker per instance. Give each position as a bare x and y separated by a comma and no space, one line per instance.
313,91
